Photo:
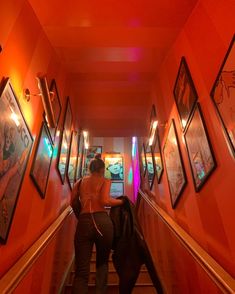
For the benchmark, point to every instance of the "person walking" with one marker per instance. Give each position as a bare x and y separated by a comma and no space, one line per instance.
94,227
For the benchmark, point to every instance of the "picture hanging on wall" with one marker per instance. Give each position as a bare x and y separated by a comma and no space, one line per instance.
56,106
73,156
157,156
150,165
90,154
117,189
156,149
42,161
63,154
223,95
114,167
174,165
143,159
184,92
15,146
80,157
201,157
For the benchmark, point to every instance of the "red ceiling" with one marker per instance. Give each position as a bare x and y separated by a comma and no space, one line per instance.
112,51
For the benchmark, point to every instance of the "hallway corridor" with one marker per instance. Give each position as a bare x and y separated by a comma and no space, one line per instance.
150,86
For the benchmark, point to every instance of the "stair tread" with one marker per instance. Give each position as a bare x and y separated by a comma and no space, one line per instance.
116,284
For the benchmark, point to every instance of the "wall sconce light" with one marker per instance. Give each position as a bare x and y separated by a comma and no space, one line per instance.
153,130
47,98
152,134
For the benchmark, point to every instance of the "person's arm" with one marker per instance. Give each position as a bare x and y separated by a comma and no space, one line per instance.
105,195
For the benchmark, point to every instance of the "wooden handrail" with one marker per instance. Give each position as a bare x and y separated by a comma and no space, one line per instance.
17,272
222,278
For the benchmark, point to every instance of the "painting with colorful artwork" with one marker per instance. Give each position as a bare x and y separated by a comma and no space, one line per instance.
15,146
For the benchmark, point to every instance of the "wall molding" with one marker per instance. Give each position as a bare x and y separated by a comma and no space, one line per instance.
18,271
219,275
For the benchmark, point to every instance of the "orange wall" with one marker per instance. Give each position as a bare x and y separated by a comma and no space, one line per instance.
176,267
208,216
26,53
57,255
122,145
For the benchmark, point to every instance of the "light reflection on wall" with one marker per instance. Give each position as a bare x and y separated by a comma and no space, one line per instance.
130,176
135,167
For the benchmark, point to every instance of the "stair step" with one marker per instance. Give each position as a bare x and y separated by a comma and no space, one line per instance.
113,289
142,285
113,277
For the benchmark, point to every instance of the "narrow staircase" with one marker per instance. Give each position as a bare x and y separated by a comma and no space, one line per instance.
143,284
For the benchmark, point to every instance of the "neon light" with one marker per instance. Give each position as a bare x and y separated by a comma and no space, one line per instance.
133,151
47,143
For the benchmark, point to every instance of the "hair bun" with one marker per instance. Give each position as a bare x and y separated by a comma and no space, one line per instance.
98,156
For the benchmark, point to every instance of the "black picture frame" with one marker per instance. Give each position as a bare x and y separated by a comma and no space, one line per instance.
223,95
40,168
114,168
199,148
157,156
174,165
143,160
80,156
65,140
150,165
73,157
15,149
185,93
56,106
116,189
156,146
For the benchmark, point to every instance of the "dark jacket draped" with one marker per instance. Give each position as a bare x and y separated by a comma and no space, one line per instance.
130,249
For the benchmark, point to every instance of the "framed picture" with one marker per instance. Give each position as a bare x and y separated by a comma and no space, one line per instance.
223,95
117,189
201,157
56,106
42,161
150,165
65,140
157,156
185,93
143,159
114,167
80,157
15,146
90,154
155,147
73,156
174,165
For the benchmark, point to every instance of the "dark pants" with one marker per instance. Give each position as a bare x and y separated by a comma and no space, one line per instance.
85,237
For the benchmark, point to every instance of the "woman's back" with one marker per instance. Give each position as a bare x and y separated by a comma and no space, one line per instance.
92,193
